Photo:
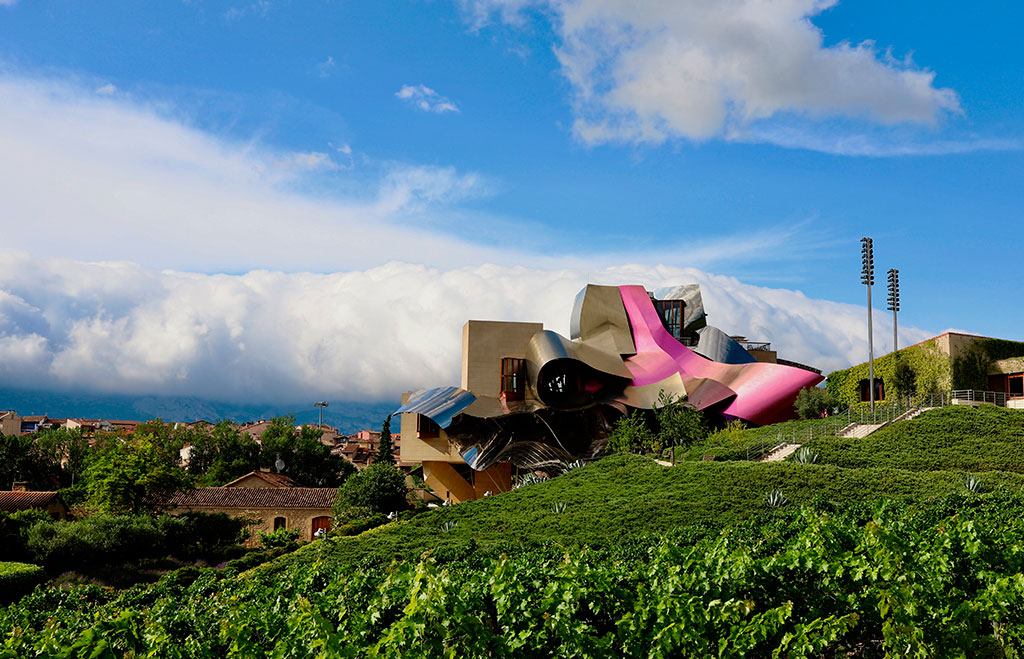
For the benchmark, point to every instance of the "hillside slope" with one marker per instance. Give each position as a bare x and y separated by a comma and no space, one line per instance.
985,438
627,496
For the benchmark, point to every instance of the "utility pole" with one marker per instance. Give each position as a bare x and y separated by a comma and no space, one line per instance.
321,404
867,277
894,304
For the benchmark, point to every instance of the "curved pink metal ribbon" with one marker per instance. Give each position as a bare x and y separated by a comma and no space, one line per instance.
764,392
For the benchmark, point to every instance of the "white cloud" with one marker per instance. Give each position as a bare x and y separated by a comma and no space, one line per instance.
99,177
367,334
107,90
8,3
426,99
93,177
650,70
326,68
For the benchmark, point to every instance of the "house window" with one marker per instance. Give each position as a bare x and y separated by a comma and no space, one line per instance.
321,525
865,392
512,380
280,523
672,316
426,428
1015,385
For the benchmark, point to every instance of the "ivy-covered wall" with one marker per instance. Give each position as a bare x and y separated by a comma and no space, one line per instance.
932,370
971,367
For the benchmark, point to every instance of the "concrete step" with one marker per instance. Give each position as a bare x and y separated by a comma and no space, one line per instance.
779,453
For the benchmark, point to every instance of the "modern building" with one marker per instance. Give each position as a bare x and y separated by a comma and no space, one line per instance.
534,400
977,368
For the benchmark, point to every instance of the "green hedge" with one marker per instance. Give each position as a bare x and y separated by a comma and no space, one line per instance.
111,539
955,438
18,579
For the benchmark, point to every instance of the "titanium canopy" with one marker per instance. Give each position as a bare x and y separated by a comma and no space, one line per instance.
620,357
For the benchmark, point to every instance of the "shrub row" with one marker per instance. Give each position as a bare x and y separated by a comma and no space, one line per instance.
17,579
109,539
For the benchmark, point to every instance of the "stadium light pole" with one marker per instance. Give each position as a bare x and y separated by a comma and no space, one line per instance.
867,277
894,304
321,404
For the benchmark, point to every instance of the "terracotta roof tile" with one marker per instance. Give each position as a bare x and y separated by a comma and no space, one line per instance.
275,480
256,497
10,501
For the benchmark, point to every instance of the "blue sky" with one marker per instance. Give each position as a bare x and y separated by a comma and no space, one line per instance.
753,140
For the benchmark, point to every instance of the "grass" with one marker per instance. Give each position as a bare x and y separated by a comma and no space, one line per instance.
750,443
955,438
629,496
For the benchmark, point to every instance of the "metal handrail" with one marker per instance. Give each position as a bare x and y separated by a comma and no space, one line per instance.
998,398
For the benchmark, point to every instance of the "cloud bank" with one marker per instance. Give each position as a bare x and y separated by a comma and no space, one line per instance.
371,334
426,99
649,70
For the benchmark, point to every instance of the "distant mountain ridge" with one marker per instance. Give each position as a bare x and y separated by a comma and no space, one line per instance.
348,417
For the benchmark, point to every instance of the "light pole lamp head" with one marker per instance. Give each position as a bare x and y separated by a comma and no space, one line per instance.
867,253
894,290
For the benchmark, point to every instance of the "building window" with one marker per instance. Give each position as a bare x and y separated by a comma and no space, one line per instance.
672,314
321,525
426,428
1015,385
865,393
512,378
280,523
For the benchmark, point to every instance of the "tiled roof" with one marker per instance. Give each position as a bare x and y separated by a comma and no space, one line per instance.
10,501
275,480
256,497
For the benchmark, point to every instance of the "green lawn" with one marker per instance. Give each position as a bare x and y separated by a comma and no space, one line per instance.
956,438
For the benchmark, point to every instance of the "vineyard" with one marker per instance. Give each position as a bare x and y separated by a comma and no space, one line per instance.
622,557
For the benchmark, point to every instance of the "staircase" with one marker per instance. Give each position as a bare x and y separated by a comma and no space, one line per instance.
779,453
861,430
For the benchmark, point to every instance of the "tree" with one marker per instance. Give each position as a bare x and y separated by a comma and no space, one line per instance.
679,424
904,379
21,460
223,455
384,448
631,434
380,487
134,474
68,450
306,459
813,403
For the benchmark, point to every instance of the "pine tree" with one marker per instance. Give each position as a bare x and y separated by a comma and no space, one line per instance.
384,448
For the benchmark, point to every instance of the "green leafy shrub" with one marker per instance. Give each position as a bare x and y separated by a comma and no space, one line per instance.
380,487
631,434
813,403
357,526
110,539
279,538
18,579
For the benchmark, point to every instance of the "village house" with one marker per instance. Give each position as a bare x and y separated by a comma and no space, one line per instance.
21,498
268,501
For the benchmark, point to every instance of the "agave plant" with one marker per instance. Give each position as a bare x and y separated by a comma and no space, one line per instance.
576,464
806,455
777,499
528,479
973,484
559,507
448,526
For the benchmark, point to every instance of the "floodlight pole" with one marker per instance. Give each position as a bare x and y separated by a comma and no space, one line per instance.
321,404
867,277
894,305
